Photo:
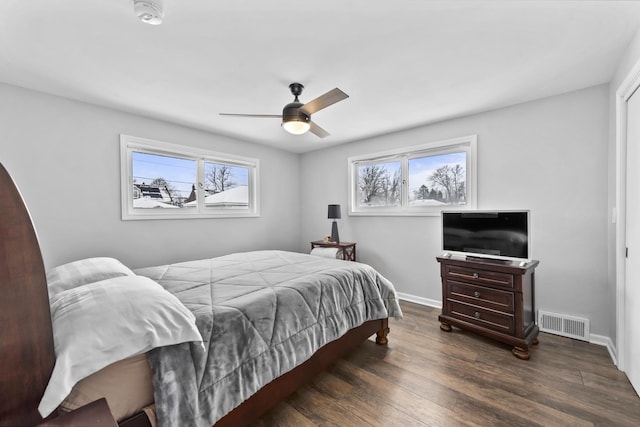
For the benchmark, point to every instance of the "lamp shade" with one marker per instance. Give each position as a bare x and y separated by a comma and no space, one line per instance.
334,212
296,127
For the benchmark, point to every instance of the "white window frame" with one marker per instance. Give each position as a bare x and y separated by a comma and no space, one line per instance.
129,144
468,144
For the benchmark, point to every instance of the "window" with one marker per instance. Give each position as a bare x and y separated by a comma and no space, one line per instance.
421,180
162,181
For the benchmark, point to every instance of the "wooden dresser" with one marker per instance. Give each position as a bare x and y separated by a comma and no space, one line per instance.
492,298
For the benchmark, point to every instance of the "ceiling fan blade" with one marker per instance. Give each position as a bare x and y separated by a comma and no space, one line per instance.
268,116
318,131
323,101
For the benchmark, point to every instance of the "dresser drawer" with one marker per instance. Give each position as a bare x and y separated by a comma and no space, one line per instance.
480,277
501,322
478,295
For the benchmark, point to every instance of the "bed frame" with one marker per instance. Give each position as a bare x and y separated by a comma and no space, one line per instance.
26,337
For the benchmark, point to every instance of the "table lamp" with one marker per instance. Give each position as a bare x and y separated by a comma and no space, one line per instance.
334,213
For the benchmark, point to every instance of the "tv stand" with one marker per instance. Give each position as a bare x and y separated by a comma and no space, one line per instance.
494,299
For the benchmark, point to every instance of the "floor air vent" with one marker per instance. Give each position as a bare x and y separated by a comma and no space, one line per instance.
561,324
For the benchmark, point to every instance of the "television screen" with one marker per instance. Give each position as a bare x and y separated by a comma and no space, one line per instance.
498,233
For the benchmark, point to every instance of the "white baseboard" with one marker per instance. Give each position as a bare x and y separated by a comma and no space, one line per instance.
605,341
593,338
420,300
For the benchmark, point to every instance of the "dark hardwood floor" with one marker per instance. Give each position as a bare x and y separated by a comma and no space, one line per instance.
426,377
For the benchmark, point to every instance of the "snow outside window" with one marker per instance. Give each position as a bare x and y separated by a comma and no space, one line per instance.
419,180
168,181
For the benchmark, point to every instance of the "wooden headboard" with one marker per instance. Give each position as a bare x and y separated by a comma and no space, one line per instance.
26,338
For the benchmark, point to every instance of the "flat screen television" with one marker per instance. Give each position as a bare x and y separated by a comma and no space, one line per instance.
492,234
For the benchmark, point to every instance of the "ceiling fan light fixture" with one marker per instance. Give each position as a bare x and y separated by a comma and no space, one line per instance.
296,127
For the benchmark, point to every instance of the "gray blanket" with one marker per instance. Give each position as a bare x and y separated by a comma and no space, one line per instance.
261,314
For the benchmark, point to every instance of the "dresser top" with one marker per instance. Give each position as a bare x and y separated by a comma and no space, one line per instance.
509,266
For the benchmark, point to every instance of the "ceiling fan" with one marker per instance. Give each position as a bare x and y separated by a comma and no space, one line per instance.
296,116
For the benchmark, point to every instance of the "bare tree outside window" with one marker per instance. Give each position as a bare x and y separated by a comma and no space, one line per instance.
420,180
451,180
226,186
219,177
166,180
379,184
438,180
171,190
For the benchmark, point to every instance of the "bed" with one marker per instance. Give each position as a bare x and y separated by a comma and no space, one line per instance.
248,380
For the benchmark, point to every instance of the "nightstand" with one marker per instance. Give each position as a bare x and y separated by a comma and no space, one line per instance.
348,249
94,414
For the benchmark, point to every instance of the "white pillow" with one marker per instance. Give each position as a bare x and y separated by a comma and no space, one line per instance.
327,252
101,323
83,272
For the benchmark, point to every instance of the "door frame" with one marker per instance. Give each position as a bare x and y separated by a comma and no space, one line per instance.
628,86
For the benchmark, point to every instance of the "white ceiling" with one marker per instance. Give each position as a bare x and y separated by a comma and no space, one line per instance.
404,63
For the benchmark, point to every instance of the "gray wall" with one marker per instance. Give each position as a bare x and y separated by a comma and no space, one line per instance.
65,158
548,156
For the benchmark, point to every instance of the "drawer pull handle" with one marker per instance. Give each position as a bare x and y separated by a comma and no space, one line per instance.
475,275
476,294
477,315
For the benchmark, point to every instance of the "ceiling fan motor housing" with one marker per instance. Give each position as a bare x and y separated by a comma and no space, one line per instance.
292,112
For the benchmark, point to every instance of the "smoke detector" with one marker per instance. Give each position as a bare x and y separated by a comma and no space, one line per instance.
149,11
